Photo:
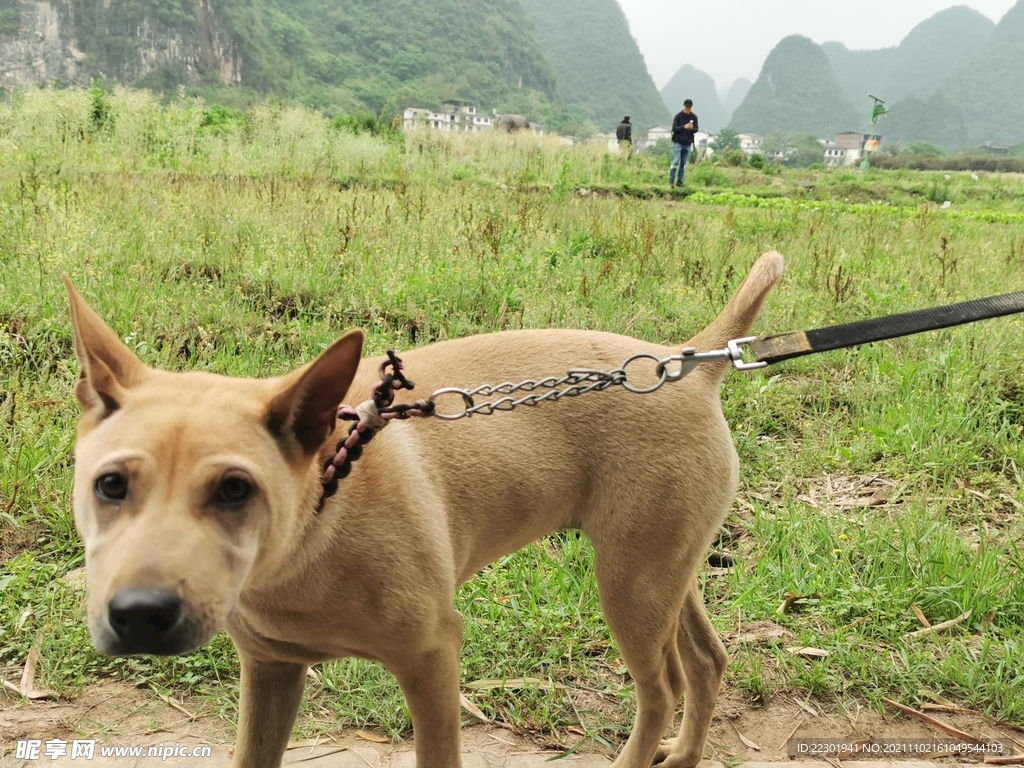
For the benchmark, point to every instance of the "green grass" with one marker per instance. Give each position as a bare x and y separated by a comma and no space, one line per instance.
246,250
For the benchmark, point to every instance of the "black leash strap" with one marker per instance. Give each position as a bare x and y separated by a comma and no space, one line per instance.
773,349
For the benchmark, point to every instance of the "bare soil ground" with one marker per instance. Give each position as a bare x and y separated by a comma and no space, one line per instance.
117,713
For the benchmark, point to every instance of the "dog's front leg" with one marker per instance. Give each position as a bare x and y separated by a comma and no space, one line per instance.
429,678
268,703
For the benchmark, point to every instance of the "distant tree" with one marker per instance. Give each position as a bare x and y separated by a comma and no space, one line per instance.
733,157
661,148
726,139
807,150
10,21
757,160
924,149
775,145
799,150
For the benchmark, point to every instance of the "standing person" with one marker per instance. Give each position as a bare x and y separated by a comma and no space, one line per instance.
684,126
624,133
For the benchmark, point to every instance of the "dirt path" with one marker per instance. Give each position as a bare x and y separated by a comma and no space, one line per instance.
118,714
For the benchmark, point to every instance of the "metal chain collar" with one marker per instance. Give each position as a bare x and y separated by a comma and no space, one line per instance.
374,414
579,381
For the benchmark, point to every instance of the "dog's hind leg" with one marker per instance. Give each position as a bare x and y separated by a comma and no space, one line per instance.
641,605
429,677
268,703
703,660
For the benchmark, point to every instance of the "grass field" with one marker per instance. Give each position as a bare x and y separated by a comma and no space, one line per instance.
877,479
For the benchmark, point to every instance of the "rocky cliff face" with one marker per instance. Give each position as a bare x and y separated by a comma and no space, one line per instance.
73,41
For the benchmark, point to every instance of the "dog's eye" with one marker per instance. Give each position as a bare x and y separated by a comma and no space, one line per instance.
112,487
233,490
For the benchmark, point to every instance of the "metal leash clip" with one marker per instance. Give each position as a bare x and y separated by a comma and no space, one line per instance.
736,354
689,358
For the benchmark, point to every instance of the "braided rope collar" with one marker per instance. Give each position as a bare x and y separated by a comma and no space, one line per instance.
370,417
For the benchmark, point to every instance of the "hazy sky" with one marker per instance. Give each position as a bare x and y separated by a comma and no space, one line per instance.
731,38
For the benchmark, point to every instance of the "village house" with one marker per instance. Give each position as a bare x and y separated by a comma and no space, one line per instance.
454,115
834,154
650,137
659,132
852,143
647,139
749,144
702,144
849,148
995,149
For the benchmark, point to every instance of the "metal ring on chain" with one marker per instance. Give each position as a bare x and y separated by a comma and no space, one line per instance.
467,400
647,390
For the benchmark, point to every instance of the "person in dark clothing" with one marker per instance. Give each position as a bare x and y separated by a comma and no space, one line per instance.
684,126
624,133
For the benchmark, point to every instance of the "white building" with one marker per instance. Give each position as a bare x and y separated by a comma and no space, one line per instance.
702,144
834,154
850,148
749,143
647,139
659,132
455,115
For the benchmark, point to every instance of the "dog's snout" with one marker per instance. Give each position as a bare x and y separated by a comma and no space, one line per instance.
145,619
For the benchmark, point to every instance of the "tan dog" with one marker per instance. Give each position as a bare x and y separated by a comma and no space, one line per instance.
196,496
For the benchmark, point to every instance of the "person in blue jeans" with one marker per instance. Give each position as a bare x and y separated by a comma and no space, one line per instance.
684,126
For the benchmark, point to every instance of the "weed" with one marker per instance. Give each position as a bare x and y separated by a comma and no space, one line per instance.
708,175
840,286
947,260
100,115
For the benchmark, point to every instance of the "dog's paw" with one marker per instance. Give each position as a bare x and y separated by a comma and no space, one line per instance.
664,758
664,750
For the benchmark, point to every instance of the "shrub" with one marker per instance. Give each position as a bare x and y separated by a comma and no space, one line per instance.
806,151
757,160
10,21
708,175
726,140
734,157
219,120
661,148
991,163
924,149
364,123
101,116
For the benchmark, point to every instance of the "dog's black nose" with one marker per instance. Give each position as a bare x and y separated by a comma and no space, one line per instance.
145,619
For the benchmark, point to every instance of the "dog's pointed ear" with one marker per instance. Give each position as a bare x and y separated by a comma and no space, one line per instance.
306,408
106,367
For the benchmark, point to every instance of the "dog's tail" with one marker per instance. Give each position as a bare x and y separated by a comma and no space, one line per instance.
736,320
